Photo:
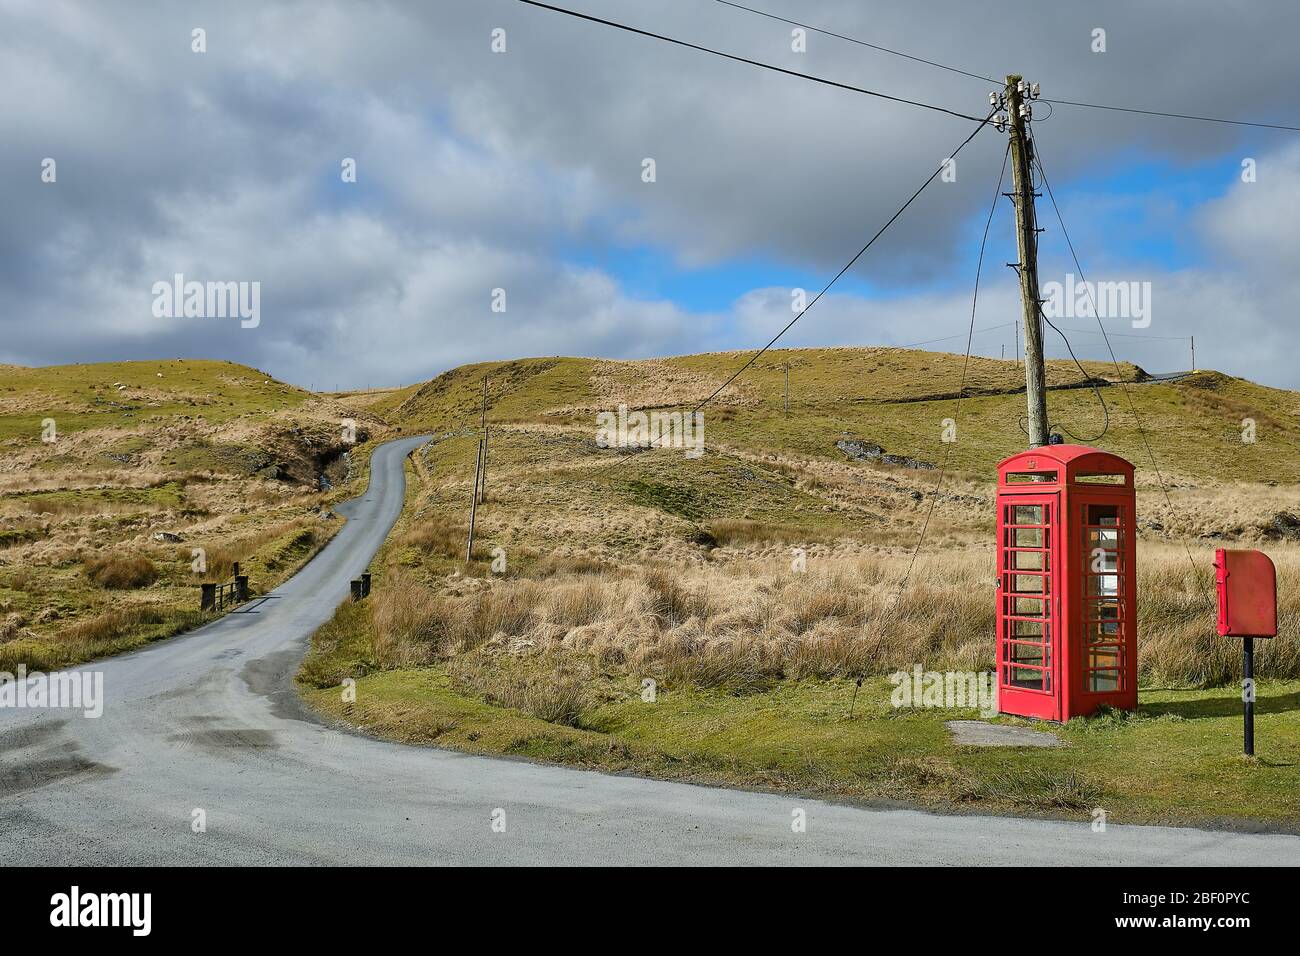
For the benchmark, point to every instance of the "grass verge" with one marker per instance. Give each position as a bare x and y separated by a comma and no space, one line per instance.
1175,761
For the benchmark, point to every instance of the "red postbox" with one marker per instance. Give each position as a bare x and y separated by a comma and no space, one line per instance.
1247,586
1067,583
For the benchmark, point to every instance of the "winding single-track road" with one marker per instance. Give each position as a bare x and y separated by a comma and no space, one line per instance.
210,721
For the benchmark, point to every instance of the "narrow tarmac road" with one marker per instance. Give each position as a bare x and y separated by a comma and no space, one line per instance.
210,722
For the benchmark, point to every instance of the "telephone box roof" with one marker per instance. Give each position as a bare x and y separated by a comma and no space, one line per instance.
1075,459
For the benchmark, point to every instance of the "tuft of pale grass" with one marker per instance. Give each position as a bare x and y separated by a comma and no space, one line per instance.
550,692
121,572
436,536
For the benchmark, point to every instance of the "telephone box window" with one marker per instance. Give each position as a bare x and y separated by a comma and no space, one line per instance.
1103,607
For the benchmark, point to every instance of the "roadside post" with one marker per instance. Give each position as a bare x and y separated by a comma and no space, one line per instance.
1246,582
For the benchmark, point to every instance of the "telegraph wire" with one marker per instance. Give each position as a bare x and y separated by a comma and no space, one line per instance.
946,338
741,59
1123,335
870,242
1186,116
826,288
1137,417
1087,379
965,366
873,46
989,79
961,393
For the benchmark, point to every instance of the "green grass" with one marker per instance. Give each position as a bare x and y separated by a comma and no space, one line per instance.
81,397
1176,761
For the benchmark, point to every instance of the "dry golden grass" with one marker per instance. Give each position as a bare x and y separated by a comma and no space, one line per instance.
752,620
295,535
219,456
654,383
121,572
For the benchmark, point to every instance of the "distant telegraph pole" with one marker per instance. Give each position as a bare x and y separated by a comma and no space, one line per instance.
787,388
1017,96
473,502
1193,353
482,420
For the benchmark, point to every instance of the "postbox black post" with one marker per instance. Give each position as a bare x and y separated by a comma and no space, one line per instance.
1248,692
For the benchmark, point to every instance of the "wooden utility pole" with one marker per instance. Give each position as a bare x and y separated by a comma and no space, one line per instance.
473,502
1193,353
1022,157
482,421
787,389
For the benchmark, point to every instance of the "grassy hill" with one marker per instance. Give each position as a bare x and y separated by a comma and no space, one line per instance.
113,474
894,398
762,464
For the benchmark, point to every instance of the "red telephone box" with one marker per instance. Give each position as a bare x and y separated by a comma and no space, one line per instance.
1067,583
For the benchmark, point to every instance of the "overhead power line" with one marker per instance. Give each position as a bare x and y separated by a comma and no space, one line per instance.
989,79
861,252
849,39
948,338
1186,116
961,393
849,265
1124,386
758,63
1126,335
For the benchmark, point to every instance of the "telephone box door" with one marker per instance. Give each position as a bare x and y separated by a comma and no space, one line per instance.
1028,605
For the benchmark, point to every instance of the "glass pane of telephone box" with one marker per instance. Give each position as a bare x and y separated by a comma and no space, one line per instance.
1101,632
1106,515
1027,560
1102,538
1101,560
1039,655
1028,678
1103,585
1027,514
1104,657
1103,680
1029,584
1027,608
1102,609
1025,537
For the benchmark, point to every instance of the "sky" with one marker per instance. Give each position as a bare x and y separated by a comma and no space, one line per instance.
499,146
